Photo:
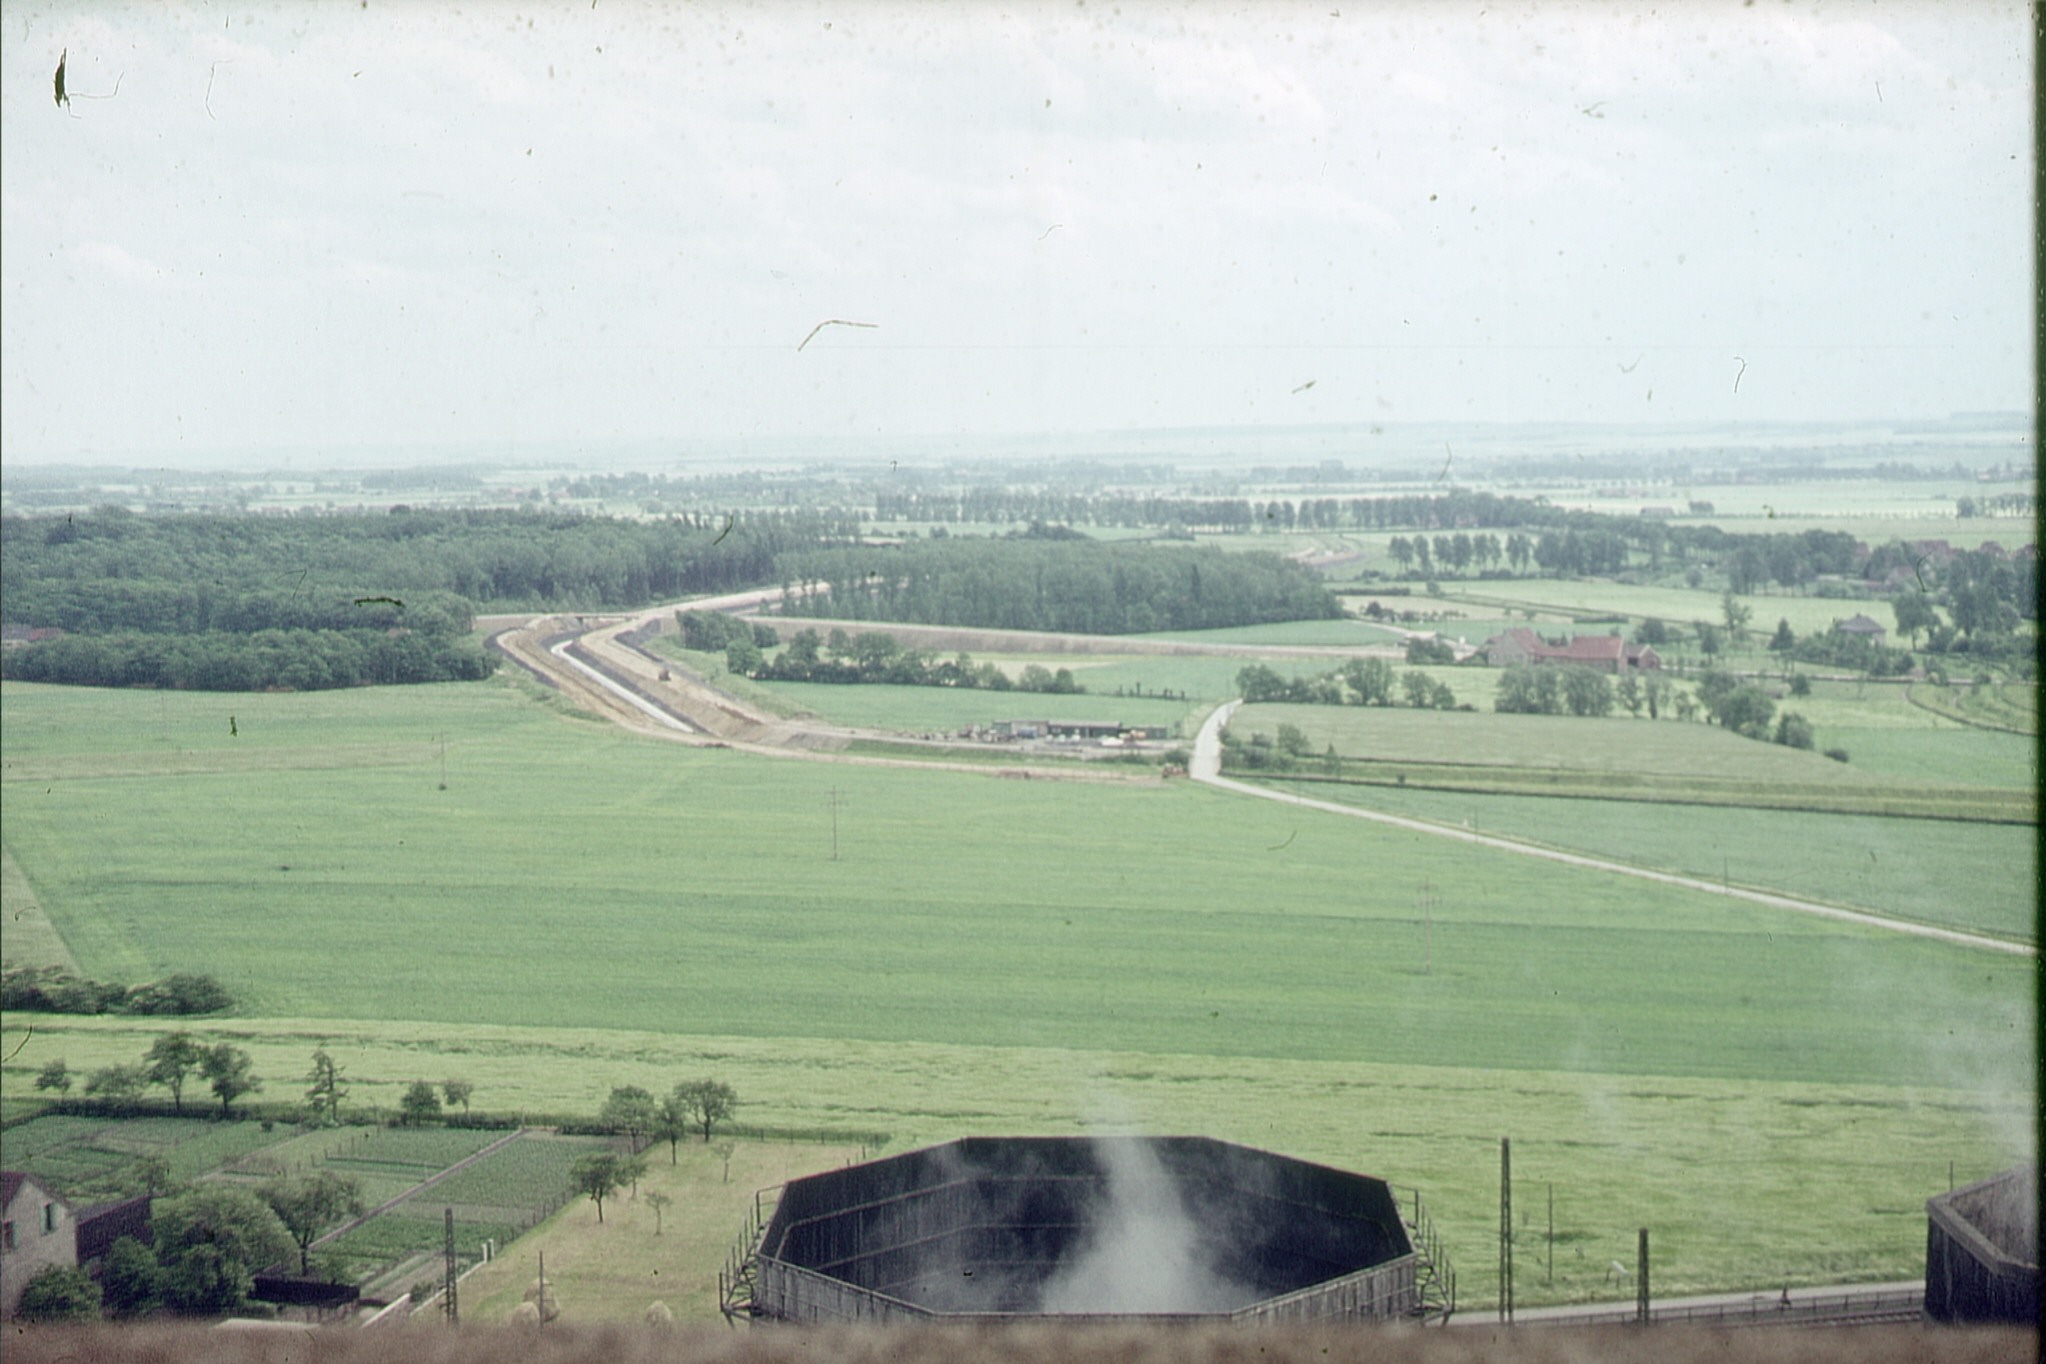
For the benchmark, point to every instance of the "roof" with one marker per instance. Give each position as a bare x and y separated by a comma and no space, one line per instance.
102,1224
1858,624
1594,649
11,1182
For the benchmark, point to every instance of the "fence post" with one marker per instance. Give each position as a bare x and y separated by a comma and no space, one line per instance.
1641,1282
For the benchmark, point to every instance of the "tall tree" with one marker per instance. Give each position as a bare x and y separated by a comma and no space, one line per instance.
671,1123
310,1205
421,1103
630,1110
170,1061
708,1102
599,1175
230,1073
324,1090
1736,613
1915,612
458,1091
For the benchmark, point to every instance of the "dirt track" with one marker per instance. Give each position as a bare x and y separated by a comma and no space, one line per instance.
668,693
592,664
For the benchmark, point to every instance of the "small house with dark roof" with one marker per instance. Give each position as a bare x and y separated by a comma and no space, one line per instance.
38,1230
43,1229
1862,627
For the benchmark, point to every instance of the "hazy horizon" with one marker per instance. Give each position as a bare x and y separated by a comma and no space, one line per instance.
286,229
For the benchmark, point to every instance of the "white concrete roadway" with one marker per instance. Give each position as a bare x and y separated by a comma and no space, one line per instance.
1206,767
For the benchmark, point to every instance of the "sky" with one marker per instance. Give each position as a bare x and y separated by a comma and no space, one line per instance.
302,227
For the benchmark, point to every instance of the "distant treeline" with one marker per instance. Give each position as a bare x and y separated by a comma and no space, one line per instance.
240,603
1045,581
216,660
57,567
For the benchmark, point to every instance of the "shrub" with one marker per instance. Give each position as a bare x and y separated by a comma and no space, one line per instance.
59,1293
181,993
1838,755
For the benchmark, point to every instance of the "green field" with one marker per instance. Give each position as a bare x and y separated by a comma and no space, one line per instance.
1335,633
581,908
93,1158
1634,784
1677,606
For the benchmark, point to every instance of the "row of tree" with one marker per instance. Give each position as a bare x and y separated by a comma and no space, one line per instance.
60,990
1049,582
173,1060
269,660
877,657
113,570
1359,682
1547,539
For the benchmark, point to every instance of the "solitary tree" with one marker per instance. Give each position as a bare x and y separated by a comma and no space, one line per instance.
1794,730
1784,638
230,1073
1915,612
55,1075
597,1174
1736,613
658,1201
708,1102
671,1123
324,1090
169,1061
420,1104
458,1091
1653,689
630,1110
309,1206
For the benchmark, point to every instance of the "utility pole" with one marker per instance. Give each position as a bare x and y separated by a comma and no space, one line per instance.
1506,1230
834,802
448,1295
1549,1273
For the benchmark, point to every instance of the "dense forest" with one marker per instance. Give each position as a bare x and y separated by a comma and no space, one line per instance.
109,570
1051,581
240,603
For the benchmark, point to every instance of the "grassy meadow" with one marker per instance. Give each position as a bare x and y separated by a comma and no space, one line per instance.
581,908
1958,873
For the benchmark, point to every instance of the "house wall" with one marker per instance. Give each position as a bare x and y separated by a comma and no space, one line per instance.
43,1233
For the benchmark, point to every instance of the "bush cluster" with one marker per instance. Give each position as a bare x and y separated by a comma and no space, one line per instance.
57,990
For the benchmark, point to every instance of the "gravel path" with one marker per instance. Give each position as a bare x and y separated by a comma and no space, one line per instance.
1207,768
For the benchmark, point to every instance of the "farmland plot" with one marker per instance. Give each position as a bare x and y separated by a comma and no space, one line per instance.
985,955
